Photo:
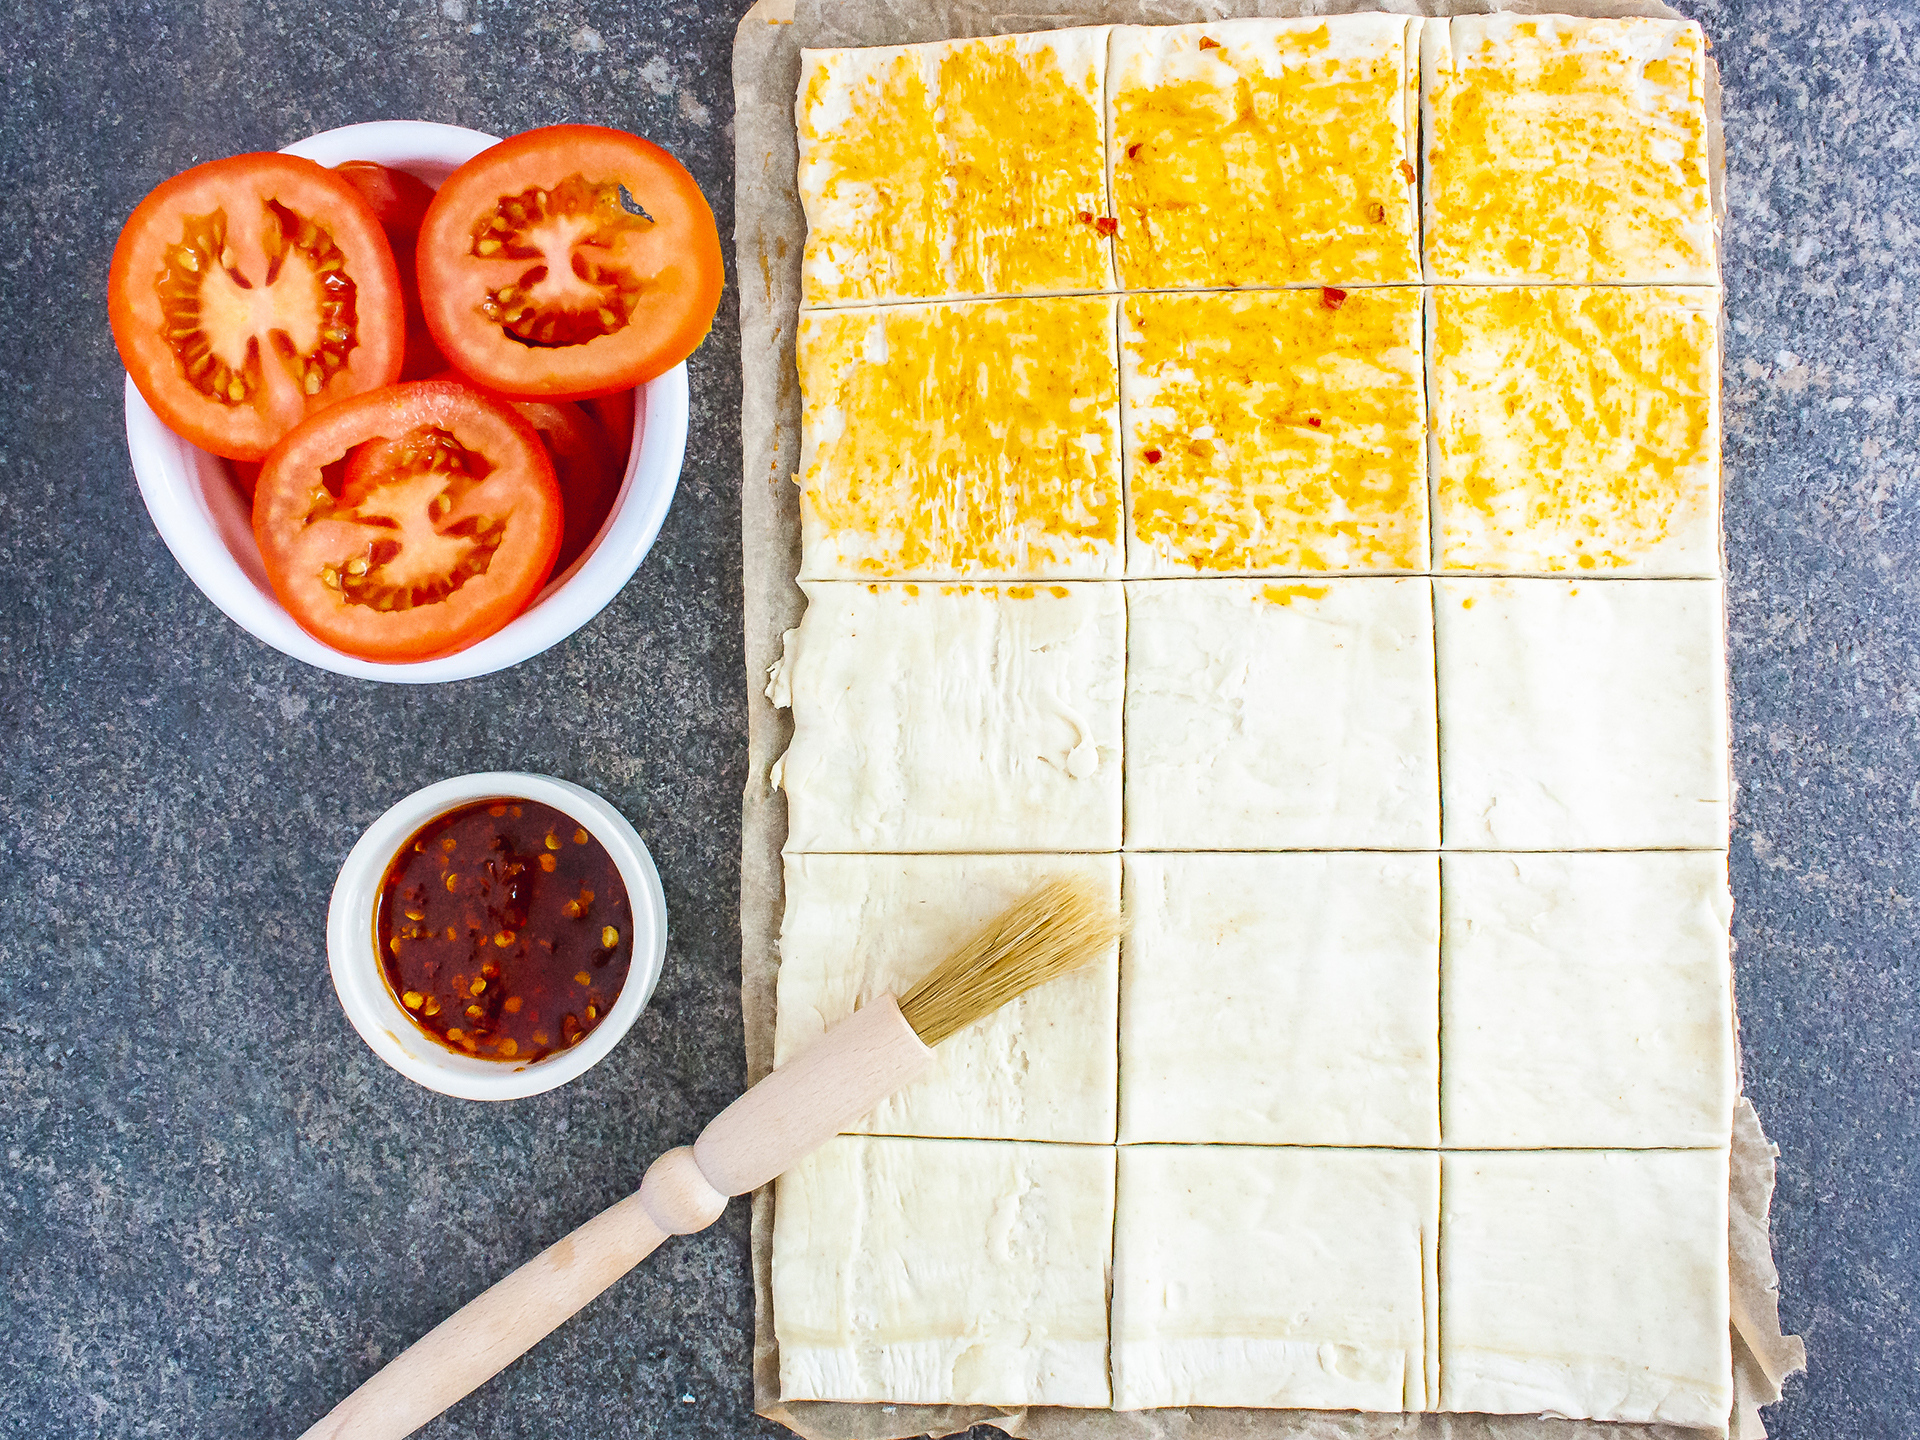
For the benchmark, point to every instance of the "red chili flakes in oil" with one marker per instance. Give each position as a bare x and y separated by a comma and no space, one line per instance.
505,931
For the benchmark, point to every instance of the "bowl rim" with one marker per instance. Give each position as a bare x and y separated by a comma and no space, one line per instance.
359,979
205,523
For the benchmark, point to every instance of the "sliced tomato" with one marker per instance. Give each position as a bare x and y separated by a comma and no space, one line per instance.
615,414
584,462
248,293
246,475
432,538
539,279
400,201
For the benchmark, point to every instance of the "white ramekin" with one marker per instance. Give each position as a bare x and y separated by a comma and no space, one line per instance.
207,525
361,983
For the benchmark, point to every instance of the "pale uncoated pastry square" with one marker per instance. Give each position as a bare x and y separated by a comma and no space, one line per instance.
1314,979
1586,1283
944,1271
1275,431
974,439
1576,428
1566,149
1265,152
1274,716
961,167
1583,714
1284,1277
954,717
857,926
1587,1000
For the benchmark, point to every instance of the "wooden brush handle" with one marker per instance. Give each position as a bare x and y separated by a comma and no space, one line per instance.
793,1111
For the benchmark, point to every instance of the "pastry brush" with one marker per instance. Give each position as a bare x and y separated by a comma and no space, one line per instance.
887,1042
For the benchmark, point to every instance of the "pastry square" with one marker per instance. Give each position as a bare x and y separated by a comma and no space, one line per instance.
1576,428
1292,1278
979,439
1275,430
1264,716
963,167
1582,714
1265,152
1587,1000
1288,999
930,1272
1586,1283
856,926
953,717
1566,149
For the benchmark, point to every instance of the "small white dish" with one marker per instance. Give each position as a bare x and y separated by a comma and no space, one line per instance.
360,980
208,526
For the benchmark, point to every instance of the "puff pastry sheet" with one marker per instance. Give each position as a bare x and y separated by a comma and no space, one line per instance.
1587,1000
1274,1277
856,926
1270,716
954,718
962,167
935,1271
1576,428
1566,149
1585,714
1275,431
979,439
1587,1283
1265,152
1314,980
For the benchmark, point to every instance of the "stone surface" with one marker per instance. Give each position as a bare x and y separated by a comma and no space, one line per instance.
218,1210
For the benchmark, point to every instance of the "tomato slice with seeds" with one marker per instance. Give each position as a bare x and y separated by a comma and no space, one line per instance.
409,522
248,293
584,462
399,202
569,262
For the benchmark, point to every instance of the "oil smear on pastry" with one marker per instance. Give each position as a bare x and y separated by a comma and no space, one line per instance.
1586,1283
1576,428
962,167
977,439
1566,149
1275,431
1265,152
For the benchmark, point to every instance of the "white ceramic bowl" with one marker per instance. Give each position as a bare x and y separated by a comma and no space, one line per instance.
360,982
208,526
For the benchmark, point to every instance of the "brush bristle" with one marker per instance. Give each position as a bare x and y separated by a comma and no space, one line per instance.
1057,927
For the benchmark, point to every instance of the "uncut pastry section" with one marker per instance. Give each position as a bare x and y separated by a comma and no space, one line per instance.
1270,468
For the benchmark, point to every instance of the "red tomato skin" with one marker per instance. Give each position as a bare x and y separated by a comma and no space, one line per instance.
285,480
135,315
693,273
400,202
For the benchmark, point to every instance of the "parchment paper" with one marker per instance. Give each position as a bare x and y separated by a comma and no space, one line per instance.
769,228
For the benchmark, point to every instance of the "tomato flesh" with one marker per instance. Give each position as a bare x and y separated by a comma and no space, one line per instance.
410,522
569,262
247,293
584,461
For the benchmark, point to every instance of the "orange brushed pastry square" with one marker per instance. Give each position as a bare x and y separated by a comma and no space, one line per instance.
1275,431
964,439
964,167
1265,152
1576,429
1566,149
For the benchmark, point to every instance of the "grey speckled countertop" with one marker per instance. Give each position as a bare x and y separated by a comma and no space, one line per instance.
218,1209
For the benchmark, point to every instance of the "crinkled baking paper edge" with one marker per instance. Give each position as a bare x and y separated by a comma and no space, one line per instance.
769,229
